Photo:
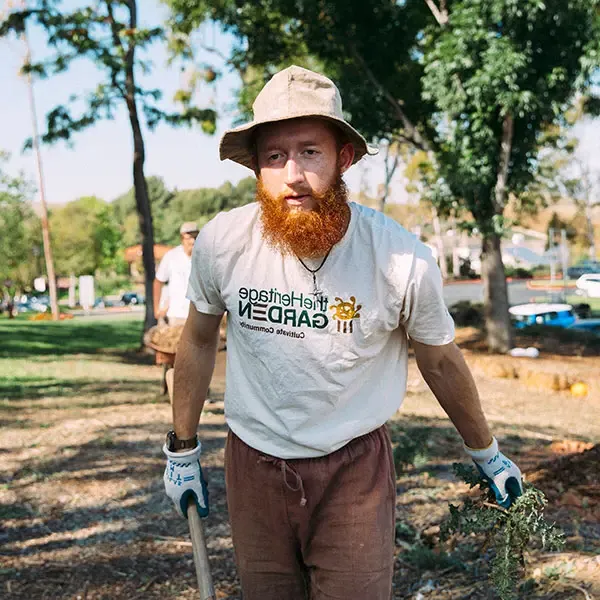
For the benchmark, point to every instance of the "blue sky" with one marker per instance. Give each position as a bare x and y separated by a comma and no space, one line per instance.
99,163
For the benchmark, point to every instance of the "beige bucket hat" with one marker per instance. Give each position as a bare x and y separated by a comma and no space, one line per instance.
290,94
188,227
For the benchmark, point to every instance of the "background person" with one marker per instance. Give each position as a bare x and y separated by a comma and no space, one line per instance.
174,269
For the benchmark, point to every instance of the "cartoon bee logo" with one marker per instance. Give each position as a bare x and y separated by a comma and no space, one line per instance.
345,312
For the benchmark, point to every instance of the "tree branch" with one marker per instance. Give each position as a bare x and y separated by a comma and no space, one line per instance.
413,134
217,52
118,44
440,14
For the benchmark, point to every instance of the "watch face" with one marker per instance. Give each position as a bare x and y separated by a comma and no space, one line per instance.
171,437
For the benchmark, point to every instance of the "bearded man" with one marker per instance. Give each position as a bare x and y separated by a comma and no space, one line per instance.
323,296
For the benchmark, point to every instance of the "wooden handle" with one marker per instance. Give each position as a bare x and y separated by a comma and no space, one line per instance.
205,584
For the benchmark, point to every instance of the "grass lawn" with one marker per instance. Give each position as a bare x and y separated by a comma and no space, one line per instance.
86,358
24,339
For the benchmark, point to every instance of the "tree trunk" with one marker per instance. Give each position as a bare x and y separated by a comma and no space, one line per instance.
500,336
392,158
495,295
439,242
590,229
142,200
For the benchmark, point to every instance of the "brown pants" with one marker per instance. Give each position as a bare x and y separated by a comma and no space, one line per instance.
315,528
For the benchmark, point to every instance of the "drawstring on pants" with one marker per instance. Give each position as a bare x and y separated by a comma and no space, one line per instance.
285,469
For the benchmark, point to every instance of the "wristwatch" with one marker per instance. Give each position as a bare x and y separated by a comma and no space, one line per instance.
174,443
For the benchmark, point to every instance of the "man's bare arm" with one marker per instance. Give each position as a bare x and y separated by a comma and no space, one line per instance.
447,374
194,365
157,287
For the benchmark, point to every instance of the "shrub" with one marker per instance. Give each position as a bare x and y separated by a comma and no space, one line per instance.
508,532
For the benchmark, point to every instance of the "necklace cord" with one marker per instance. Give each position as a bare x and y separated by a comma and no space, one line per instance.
313,271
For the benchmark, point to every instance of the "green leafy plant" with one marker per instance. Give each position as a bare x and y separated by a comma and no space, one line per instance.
509,532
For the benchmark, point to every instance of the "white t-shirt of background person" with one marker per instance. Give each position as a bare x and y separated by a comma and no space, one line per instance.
305,376
174,269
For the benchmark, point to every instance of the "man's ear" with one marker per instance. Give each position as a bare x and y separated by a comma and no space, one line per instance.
346,157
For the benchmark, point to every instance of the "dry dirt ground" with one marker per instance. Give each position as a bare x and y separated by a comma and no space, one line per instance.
83,514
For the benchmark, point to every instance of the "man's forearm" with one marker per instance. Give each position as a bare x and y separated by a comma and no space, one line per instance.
194,367
156,292
450,379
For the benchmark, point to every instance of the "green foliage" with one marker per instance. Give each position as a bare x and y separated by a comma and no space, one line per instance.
509,532
166,229
20,233
85,236
499,59
557,224
171,208
427,559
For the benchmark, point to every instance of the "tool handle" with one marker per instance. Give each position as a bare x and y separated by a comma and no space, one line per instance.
205,584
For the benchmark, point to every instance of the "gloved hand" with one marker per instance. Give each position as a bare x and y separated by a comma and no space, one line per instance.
183,479
502,474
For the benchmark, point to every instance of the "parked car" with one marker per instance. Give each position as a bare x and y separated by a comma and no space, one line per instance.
32,304
592,325
129,298
583,268
589,285
558,315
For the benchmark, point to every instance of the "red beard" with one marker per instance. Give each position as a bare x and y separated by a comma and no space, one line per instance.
308,234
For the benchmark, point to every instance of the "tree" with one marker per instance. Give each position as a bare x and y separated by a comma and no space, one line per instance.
20,235
85,236
160,198
172,208
471,82
107,33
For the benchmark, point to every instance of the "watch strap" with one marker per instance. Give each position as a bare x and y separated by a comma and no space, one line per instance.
174,443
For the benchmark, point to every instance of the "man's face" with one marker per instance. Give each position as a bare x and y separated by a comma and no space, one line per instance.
300,186
298,158
187,241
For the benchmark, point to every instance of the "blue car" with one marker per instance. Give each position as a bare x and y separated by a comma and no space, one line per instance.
592,325
557,315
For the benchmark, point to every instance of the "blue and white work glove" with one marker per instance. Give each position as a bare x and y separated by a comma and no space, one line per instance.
183,480
501,473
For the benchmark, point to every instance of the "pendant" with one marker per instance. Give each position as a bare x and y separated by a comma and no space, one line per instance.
317,293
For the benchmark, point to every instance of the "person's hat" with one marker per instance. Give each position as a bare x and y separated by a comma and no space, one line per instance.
290,94
188,227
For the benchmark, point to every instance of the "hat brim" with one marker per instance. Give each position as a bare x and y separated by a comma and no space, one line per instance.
236,143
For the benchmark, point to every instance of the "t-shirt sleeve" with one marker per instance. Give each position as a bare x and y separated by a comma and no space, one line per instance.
423,314
163,272
203,289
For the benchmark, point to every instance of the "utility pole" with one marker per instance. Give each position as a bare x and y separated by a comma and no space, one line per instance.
40,173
